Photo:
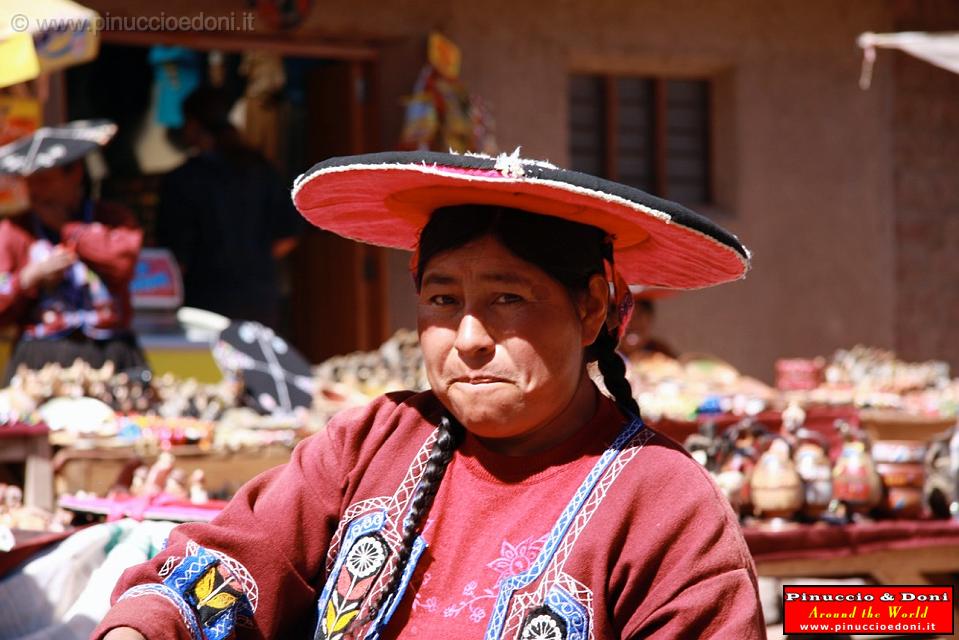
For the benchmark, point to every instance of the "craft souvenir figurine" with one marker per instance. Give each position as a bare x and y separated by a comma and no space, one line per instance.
157,477
812,461
198,492
703,446
738,456
706,448
14,515
901,465
793,418
176,484
942,474
813,466
856,485
776,487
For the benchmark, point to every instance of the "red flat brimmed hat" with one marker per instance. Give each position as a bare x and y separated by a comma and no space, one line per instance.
387,198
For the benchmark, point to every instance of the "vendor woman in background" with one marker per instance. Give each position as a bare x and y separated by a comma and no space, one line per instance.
66,264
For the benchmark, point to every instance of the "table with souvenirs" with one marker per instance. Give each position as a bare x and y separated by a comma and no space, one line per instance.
848,466
126,444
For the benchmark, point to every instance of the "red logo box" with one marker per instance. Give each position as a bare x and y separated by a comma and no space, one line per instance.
868,610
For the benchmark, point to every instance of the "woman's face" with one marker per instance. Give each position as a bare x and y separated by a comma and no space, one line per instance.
56,193
502,341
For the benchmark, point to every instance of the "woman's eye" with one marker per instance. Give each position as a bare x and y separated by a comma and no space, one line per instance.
442,300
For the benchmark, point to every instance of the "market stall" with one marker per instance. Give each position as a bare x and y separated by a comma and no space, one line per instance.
814,472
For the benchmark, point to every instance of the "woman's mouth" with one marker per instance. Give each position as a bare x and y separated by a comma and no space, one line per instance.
477,380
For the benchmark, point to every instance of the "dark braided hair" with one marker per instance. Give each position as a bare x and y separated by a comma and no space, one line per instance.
449,434
570,253
613,368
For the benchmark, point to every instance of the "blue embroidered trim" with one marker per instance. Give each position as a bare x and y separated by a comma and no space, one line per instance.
185,576
386,613
361,526
162,590
190,570
222,626
559,530
563,604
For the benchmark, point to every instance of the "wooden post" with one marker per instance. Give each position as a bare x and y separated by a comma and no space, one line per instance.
38,475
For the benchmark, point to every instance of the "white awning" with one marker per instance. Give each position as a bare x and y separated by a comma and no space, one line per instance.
940,49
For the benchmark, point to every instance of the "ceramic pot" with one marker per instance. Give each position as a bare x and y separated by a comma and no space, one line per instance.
776,487
902,474
741,465
732,483
854,478
814,468
900,451
903,503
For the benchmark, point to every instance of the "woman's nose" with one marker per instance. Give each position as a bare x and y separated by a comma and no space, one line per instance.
472,336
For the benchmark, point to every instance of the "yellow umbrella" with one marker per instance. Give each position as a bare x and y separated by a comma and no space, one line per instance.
43,36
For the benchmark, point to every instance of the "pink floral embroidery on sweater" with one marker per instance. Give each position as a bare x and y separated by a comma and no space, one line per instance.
513,559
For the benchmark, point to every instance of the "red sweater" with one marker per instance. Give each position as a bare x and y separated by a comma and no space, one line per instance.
583,541
109,246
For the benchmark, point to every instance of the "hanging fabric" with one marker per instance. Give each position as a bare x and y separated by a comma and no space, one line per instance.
940,49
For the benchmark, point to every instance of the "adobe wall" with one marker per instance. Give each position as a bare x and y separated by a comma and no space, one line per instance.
806,161
926,194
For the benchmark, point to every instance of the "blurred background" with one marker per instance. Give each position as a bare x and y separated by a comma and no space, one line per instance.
824,134
751,112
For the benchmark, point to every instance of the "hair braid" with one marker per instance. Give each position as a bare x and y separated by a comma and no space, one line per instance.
447,440
613,368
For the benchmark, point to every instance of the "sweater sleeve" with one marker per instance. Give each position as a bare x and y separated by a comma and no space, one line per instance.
14,299
698,579
252,570
109,249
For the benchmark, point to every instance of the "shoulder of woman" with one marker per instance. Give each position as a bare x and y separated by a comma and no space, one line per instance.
16,238
671,514
16,226
668,476
392,414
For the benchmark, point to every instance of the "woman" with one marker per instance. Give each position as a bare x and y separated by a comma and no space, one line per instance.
67,263
512,500
639,342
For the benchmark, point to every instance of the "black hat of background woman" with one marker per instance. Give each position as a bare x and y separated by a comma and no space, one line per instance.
49,147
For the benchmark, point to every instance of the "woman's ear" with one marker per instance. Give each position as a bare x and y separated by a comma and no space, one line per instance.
593,308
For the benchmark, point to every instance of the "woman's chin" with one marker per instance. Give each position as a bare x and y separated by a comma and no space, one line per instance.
485,423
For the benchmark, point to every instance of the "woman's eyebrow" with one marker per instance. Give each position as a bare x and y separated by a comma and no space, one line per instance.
506,277
498,277
438,279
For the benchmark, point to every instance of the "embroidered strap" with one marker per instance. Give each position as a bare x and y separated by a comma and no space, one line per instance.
345,592
363,554
386,612
558,533
394,506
